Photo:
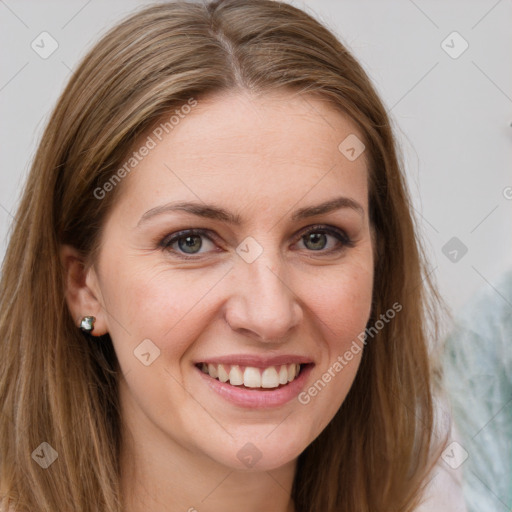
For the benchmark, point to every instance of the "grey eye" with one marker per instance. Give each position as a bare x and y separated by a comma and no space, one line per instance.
318,241
190,244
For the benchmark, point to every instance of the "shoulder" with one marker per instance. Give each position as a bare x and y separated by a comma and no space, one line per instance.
443,492
443,489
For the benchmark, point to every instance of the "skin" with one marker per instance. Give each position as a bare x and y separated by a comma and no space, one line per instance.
262,157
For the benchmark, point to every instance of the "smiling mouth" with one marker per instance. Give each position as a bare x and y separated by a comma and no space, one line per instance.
250,377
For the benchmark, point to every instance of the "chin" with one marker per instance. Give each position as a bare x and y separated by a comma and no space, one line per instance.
264,452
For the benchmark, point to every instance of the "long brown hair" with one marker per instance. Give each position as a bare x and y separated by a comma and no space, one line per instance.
59,386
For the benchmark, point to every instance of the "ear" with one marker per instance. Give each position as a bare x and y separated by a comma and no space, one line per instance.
82,290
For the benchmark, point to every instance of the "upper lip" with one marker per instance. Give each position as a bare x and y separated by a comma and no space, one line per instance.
257,361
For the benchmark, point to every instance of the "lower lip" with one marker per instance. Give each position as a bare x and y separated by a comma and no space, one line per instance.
258,398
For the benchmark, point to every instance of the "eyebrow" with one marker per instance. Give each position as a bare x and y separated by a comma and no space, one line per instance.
211,211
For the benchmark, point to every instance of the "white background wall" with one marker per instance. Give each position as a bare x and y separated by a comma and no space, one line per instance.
453,115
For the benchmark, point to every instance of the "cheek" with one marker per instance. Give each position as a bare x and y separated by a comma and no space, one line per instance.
341,312
341,301
167,306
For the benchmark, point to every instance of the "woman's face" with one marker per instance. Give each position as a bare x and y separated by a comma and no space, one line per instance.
268,279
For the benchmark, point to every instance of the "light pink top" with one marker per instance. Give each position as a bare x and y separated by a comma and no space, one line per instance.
444,491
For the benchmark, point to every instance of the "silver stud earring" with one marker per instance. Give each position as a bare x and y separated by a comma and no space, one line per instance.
87,324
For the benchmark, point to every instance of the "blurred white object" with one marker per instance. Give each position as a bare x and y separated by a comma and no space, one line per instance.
478,376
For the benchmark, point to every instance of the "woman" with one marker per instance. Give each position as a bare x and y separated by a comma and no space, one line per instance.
213,295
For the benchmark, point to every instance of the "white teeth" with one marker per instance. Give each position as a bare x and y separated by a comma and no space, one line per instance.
291,372
235,376
269,378
252,377
212,370
283,374
222,374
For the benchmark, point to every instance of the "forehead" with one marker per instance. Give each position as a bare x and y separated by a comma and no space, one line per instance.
236,146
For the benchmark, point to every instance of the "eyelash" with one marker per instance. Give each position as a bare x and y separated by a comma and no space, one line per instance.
342,238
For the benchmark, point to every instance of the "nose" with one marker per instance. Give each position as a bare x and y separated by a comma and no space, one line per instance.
263,304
